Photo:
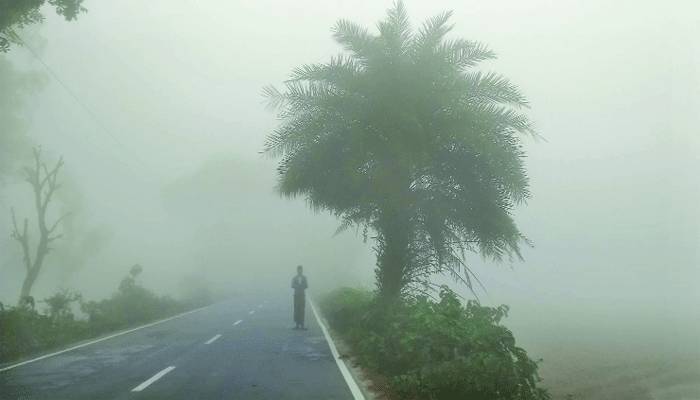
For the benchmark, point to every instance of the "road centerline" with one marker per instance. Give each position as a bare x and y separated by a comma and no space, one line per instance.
210,341
152,379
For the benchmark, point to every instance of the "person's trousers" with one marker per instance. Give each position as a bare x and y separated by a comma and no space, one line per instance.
299,305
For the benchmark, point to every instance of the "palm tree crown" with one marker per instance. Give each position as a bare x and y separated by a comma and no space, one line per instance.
401,135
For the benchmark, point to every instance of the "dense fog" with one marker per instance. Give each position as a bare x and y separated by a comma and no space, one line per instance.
157,111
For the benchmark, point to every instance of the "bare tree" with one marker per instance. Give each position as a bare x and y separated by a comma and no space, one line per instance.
44,182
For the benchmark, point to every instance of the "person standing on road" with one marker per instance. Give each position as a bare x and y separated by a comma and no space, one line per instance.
299,285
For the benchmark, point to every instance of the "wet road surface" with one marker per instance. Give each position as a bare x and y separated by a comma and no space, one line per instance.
239,349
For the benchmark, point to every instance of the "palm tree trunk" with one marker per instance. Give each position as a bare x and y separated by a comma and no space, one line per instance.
394,254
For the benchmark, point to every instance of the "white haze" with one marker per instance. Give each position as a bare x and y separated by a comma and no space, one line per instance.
170,174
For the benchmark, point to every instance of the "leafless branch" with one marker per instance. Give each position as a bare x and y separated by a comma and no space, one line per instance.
44,182
58,221
22,238
55,237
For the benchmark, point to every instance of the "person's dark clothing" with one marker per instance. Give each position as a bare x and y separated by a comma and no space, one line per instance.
299,285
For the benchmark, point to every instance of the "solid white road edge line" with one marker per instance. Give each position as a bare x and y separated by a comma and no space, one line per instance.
354,389
100,340
210,341
237,322
152,379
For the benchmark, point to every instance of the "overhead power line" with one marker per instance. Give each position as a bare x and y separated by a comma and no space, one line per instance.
80,103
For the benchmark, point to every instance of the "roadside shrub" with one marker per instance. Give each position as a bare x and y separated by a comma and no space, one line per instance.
436,349
60,305
20,330
131,304
24,331
195,291
345,306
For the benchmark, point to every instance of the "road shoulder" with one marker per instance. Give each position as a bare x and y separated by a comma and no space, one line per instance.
358,380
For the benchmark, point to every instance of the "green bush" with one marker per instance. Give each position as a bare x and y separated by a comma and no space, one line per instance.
345,306
60,305
132,304
435,349
24,331
20,331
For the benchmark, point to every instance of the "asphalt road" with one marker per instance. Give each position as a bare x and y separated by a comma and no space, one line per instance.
260,357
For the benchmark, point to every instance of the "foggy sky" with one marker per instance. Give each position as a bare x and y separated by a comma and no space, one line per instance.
170,173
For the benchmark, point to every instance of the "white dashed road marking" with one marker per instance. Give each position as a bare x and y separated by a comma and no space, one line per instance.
210,341
152,379
251,312
237,322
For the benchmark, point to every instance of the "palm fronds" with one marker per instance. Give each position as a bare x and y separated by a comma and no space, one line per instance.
402,131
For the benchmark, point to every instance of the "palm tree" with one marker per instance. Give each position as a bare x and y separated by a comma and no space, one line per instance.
400,135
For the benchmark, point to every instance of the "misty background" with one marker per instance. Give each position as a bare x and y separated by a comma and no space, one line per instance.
162,124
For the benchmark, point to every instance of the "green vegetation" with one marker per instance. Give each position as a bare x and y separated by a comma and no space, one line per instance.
402,137
429,349
17,14
25,331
